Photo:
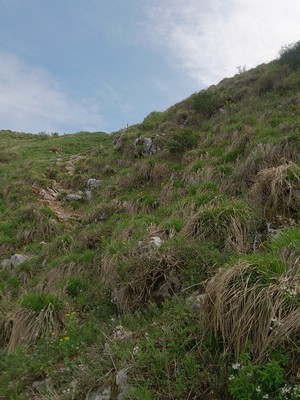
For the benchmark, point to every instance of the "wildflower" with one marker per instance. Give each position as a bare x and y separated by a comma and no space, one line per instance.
66,338
265,396
231,377
258,389
135,350
285,389
236,366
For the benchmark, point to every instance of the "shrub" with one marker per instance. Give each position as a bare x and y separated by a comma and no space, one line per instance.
272,79
204,102
290,55
181,141
154,118
267,381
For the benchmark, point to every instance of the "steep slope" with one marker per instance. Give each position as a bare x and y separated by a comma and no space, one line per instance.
161,261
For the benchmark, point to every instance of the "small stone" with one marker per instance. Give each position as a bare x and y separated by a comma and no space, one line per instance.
42,386
73,197
100,394
88,194
157,241
92,183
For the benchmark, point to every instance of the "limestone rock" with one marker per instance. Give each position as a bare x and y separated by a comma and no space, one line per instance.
14,261
42,386
121,382
93,183
144,147
157,241
73,197
88,194
103,393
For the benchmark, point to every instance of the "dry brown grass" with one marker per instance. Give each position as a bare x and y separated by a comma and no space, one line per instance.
224,223
152,172
241,307
149,275
49,280
37,224
25,326
277,189
267,155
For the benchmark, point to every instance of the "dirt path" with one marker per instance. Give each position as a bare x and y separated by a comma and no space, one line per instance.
50,195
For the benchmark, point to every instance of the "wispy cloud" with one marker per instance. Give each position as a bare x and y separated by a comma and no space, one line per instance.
32,100
209,40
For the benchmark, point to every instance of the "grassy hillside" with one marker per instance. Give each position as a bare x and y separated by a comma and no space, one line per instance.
161,261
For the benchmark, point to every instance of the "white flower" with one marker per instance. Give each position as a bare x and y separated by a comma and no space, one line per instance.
231,378
285,389
258,389
265,396
135,350
236,366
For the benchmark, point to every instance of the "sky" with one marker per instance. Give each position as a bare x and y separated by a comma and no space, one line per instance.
98,65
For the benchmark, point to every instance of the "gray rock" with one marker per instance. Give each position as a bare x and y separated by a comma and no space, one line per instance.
92,183
88,194
42,386
144,146
121,333
121,382
72,197
17,259
100,394
6,264
157,241
14,261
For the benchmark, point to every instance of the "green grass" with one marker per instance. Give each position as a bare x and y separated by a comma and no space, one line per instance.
222,194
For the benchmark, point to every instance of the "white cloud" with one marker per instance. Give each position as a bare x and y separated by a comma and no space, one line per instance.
33,101
209,40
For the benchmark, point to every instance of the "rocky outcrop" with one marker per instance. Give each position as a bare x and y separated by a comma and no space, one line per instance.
144,147
14,261
91,184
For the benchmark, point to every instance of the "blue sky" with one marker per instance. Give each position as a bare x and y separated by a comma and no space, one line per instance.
71,65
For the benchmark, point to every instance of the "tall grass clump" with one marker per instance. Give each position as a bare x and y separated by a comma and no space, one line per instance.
226,223
277,189
38,315
256,303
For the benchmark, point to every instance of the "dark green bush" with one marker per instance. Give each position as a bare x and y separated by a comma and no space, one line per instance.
182,140
204,102
290,55
272,79
152,120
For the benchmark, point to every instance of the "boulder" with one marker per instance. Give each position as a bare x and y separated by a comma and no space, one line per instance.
144,147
